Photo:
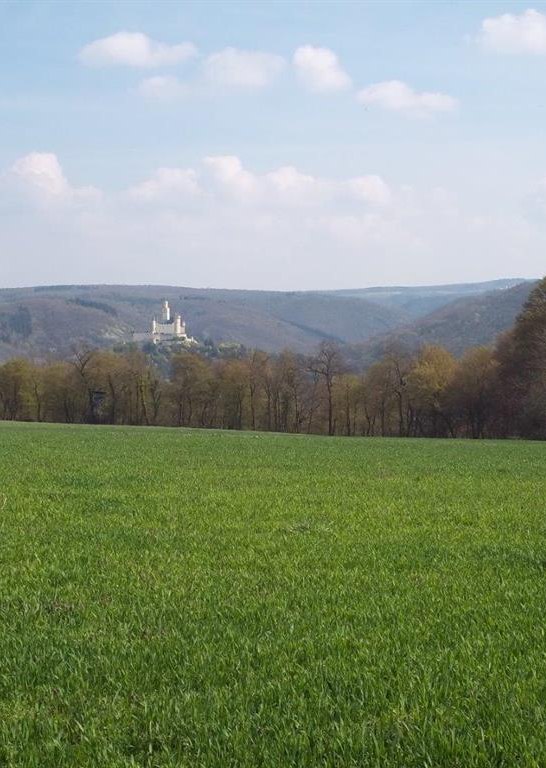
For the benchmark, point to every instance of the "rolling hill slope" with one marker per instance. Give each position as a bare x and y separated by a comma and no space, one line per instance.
417,301
468,322
49,321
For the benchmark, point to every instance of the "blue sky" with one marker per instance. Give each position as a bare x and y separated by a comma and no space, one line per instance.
272,145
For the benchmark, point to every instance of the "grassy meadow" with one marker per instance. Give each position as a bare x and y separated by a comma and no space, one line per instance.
218,600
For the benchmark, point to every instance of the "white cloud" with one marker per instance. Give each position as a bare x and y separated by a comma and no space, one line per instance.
370,189
228,172
319,70
167,184
41,174
223,224
398,96
134,49
164,88
226,178
244,69
42,171
511,33
288,186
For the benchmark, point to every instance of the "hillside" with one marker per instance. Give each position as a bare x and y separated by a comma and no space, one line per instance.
417,301
49,321
468,322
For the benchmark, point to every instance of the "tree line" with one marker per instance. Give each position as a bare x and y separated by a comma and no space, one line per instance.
488,392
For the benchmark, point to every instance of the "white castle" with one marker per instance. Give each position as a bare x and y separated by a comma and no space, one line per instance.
166,329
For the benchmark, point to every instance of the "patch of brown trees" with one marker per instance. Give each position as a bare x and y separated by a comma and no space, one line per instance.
497,392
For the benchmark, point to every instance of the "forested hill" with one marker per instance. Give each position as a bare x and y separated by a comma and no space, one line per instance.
475,320
46,322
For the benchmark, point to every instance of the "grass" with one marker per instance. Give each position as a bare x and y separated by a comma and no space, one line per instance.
185,598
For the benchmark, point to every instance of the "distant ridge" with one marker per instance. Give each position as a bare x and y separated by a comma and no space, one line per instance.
475,320
48,321
417,300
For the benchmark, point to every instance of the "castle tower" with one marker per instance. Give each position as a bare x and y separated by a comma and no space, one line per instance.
165,329
165,312
179,326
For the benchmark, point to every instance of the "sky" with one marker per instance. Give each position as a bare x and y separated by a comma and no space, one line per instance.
272,145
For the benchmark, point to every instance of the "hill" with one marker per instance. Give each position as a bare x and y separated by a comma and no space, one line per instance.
417,301
47,321
468,322
50,320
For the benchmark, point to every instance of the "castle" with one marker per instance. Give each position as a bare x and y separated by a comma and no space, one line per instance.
166,329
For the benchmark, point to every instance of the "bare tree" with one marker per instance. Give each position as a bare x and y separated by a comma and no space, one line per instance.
327,365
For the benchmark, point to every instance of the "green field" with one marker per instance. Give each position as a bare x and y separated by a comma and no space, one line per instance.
205,599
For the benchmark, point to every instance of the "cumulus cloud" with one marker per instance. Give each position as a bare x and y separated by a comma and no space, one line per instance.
41,174
243,69
42,171
397,96
167,184
370,189
134,49
222,223
319,69
511,33
163,88
228,172
288,186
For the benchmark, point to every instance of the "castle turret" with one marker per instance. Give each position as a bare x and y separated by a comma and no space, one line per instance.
165,329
